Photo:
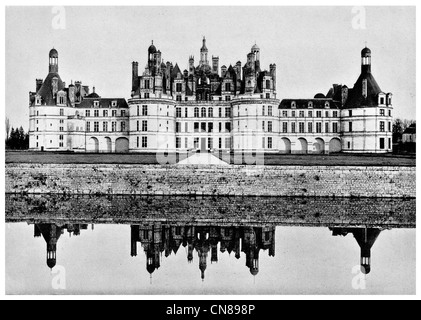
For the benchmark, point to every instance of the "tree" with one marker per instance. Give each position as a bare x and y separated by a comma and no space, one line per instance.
18,139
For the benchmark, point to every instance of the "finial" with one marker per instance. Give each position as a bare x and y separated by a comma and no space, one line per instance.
366,44
93,89
152,41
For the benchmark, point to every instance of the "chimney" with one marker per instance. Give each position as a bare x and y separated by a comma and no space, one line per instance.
39,83
215,64
135,75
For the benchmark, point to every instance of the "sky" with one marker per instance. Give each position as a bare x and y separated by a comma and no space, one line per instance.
307,260
313,47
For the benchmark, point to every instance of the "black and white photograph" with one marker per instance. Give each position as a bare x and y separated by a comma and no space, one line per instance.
224,151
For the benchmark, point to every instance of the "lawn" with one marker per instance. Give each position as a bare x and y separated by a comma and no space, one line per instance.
269,159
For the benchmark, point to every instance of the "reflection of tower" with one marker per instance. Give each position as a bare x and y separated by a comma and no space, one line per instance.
251,249
202,247
366,237
51,234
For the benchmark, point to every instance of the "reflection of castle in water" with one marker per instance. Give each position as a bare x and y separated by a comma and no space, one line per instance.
51,234
158,238
365,238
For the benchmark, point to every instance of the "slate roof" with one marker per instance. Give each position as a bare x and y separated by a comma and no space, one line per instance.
103,103
46,91
410,129
355,96
303,103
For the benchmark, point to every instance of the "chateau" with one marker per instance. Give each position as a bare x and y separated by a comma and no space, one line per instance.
211,108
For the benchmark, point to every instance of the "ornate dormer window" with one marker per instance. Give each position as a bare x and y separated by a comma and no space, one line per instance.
310,104
327,104
96,104
293,104
113,103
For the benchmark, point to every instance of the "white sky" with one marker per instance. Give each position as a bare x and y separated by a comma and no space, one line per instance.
313,47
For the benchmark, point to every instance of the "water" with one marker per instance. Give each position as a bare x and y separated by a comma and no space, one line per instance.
178,245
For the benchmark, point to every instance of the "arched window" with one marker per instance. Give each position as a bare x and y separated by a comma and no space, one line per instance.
196,112
210,112
203,112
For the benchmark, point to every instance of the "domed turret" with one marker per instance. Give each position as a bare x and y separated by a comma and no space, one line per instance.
53,61
366,60
152,49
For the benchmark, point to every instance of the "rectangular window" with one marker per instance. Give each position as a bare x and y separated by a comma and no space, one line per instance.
88,126
220,143
186,127
61,137
61,112
389,126
390,113
263,143
178,112
186,112
381,126
178,87
96,126
123,113
227,98
263,110
144,142
349,113
270,111
285,127
178,143
301,114
114,126
335,127
210,143
96,113
381,143
203,126
177,127
293,114
105,113
310,127
350,126
114,113
228,87
137,138
220,127
318,127
186,143
267,95
382,101
293,127
327,127
220,112
138,114
147,84
269,142
382,112
335,114
87,113
327,114
137,126
105,126
227,126
318,114
269,126
196,143
228,112
210,127
301,127
310,114
285,114
123,126
228,143
390,143
144,110
144,125
263,126
61,129
196,127
146,95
